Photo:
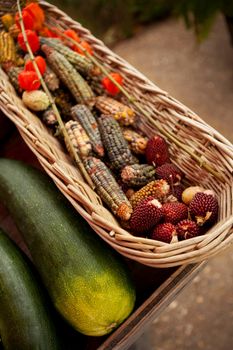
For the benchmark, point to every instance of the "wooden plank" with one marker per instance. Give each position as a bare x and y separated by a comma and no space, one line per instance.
135,325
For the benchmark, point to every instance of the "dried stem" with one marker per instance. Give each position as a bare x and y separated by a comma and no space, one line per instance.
132,100
54,107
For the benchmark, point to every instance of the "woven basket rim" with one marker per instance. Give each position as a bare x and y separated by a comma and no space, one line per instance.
143,250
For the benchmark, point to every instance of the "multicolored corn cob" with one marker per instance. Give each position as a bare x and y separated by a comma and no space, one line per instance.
138,175
117,148
157,188
14,31
7,20
80,62
68,75
122,113
51,79
95,83
79,139
107,188
7,48
63,102
137,143
49,117
83,115
12,71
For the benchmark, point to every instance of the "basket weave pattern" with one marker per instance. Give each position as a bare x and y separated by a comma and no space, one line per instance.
173,117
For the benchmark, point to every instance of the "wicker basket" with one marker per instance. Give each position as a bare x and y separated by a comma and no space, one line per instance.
173,117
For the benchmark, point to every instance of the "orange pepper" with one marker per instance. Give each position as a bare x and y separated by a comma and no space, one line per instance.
37,14
41,64
85,45
28,80
32,38
28,21
46,32
109,86
70,33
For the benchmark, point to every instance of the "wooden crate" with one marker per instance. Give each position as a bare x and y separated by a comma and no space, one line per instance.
155,288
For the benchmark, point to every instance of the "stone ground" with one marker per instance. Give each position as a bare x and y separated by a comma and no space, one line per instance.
202,78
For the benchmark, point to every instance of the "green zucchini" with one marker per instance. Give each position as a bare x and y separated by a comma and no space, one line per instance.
87,282
25,323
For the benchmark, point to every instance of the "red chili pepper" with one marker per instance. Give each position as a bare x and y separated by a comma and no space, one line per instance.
27,20
28,80
70,33
40,61
32,38
85,45
110,86
37,14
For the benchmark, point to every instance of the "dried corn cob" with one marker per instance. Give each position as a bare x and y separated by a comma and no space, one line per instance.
80,62
14,31
12,71
19,61
79,138
68,75
157,188
63,102
7,48
114,142
137,143
7,20
122,113
9,6
138,175
107,188
83,115
96,85
49,117
51,79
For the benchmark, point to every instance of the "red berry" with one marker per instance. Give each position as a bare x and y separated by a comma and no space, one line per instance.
28,80
146,215
32,38
110,86
175,212
157,151
164,232
187,229
40,61
27,20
